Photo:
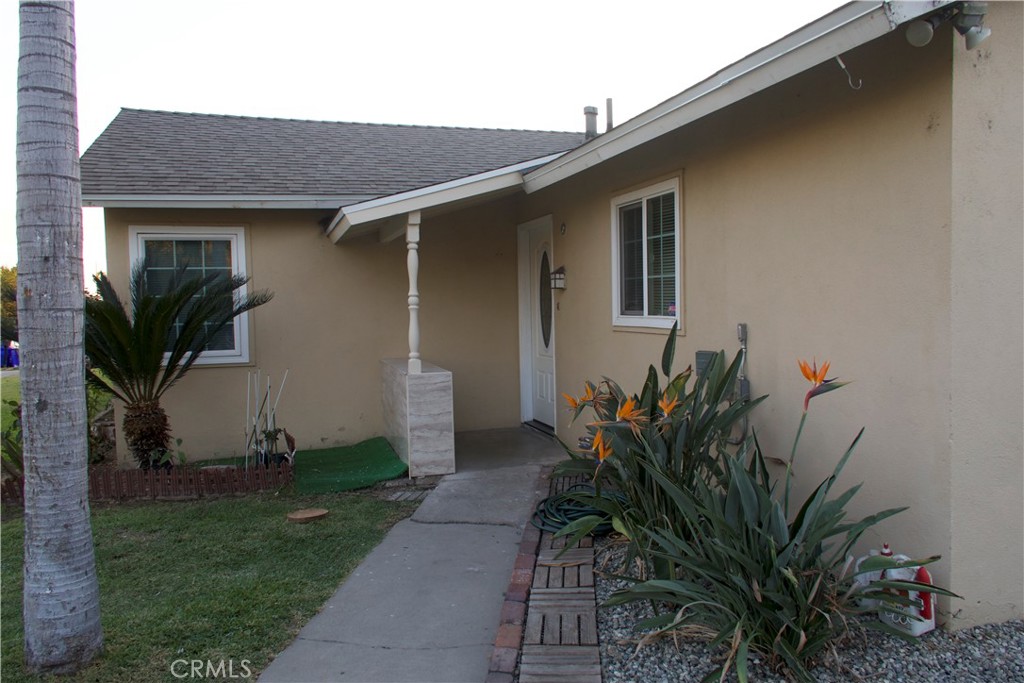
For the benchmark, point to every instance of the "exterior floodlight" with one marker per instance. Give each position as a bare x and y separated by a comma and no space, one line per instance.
967,23
976,35
920,32
966,18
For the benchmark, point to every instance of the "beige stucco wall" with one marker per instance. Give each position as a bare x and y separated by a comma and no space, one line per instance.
986,329
339,309
820,216
837,224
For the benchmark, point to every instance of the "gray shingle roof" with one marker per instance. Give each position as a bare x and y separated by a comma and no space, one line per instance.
150,153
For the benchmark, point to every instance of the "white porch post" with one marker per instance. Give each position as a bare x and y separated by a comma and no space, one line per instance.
418,397
412,241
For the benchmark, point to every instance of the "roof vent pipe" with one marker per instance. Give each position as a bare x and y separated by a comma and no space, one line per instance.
591,115
608,108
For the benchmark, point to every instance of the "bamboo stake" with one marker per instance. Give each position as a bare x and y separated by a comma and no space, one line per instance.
266,418
277,400
248,409
256,418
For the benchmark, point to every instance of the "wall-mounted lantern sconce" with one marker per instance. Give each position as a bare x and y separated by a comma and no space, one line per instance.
558,278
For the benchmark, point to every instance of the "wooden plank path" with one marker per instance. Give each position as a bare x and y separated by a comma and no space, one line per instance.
560,634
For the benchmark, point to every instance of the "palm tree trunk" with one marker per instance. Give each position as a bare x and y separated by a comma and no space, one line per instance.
61,593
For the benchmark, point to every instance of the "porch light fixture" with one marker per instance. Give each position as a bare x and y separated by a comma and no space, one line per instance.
558,278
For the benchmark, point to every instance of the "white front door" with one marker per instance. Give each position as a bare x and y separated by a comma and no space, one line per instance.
536,323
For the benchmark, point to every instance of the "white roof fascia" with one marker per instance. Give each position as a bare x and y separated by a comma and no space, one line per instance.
847,27
192,201
423,198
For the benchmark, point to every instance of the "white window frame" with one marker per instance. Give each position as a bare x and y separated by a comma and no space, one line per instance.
139,235
642,195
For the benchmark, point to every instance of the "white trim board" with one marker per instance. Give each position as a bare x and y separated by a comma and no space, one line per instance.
847,27
216,201
498,180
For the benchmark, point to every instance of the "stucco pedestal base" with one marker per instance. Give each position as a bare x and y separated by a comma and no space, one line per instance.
418,416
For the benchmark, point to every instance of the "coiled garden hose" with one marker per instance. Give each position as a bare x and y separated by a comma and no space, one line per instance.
557,511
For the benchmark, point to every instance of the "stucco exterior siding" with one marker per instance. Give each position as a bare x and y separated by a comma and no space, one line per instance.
880,227
820,216
337,311
469,308
986,328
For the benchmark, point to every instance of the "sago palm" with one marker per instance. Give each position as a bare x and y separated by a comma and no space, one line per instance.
139,355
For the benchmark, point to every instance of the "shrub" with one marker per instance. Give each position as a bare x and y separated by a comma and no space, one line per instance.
138,352
668,434
11,453
100,446
755,579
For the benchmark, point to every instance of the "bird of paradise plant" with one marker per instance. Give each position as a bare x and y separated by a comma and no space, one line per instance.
672,430
819,385
754,578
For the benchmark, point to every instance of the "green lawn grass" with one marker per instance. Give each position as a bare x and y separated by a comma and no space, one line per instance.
215,579
10,390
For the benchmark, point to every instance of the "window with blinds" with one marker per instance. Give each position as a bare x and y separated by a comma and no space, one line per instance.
199,258
646,240
201,251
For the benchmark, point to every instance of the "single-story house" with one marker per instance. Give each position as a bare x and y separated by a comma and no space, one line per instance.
842,192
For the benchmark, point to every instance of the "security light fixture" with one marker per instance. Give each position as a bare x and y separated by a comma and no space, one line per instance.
920,31
968,22
976,35
966,18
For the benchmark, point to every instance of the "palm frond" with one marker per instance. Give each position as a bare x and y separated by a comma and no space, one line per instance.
137,353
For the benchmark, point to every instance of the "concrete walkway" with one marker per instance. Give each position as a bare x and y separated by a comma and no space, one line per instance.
424,605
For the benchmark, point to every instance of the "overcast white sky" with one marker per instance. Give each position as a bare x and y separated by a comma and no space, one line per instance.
525,64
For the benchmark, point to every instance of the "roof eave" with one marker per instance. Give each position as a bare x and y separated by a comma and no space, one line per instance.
847,27
187,201
355,219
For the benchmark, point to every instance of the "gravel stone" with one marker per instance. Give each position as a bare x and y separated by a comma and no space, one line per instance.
983,654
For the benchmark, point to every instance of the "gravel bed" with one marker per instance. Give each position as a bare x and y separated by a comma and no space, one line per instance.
985,653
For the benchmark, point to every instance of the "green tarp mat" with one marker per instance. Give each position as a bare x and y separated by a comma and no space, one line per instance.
347,467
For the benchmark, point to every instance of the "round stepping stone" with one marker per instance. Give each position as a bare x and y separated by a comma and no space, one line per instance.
304,516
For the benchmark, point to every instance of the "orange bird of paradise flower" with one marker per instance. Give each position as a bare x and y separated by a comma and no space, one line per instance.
629,412
601,447
586,398
666,405
816,376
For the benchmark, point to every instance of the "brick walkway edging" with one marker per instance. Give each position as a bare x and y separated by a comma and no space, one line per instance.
505,656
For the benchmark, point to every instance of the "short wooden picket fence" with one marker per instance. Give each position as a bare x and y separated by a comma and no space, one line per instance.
174,484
